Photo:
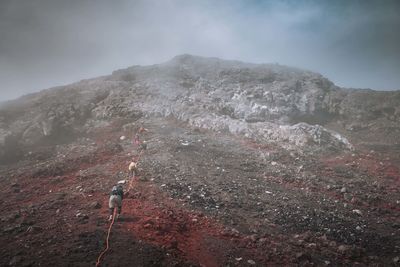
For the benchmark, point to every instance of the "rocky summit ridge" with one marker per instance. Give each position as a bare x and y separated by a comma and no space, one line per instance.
293,108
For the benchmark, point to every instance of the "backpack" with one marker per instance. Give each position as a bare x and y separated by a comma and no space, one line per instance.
114,190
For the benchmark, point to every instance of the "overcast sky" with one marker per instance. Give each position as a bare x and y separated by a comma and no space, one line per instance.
44,43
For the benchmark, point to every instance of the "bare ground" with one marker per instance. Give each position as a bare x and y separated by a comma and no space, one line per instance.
201,199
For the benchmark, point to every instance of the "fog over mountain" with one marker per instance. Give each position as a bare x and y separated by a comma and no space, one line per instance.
45,43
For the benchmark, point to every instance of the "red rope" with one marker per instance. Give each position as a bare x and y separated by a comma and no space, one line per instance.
112,222
107,240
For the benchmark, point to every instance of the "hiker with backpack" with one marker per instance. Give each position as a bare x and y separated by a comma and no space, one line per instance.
115,201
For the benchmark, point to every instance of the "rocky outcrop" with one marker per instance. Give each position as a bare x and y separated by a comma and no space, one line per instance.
293,108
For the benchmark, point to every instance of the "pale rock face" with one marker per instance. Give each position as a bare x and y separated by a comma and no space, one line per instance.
292,137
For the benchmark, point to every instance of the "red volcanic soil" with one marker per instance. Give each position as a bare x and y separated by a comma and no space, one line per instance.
201,199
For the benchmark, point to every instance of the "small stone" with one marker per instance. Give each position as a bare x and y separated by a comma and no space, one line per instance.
300,241
396,259
122,138
311,245
358,212
358,228
95,205
262,240
251,262
253,238
343,190
324,238
342,248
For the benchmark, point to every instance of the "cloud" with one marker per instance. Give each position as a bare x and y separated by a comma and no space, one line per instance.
48,42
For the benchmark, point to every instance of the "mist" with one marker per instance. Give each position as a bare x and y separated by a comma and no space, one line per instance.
46,43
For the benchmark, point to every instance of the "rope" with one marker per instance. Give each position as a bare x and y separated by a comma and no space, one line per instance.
140,154
114,214
107,239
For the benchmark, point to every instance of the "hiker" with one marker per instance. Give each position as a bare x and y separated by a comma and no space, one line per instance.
115,201
143,146
132,168
142,130
136,140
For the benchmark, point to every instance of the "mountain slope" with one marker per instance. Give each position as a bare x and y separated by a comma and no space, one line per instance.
246,164
263,102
